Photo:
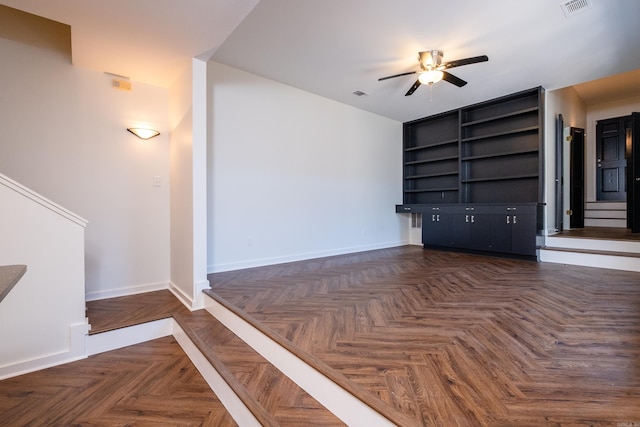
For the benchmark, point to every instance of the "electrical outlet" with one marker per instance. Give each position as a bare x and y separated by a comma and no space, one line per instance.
157,181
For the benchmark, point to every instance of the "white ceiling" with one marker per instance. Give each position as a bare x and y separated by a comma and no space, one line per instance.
335,47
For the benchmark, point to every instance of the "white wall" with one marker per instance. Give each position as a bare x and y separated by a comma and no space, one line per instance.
63,135
43,316
188,154
607,110
293,175
566,102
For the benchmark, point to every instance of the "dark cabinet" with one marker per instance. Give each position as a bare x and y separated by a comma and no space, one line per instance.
513,229
482,167
437,226
490,228
472,227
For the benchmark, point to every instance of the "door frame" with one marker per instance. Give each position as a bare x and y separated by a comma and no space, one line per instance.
576,168
633,174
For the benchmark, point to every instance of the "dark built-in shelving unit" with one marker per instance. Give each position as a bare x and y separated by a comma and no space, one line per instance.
486,154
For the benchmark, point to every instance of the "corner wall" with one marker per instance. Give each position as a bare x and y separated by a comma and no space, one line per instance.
566,102
189,124
64,136
293,175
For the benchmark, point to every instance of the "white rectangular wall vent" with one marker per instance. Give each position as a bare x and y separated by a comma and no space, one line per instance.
416,220
572,7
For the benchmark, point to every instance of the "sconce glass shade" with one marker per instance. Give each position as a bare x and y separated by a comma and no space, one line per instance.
143,133
430,77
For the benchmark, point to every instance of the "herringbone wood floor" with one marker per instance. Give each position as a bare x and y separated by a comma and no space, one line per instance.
149,384
282,399
113,313
461,340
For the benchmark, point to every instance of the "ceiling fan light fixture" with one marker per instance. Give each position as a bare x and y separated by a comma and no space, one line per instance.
430,77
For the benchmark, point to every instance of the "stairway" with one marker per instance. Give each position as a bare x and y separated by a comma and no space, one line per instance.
613,248
605,214
261,384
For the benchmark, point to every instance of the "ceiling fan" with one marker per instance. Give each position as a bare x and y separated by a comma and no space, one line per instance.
433,70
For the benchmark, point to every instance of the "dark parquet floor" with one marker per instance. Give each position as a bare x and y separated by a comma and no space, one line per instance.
150,384
461,340
113,313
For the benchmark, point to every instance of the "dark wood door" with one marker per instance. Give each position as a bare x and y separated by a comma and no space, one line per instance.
610,160
633,151
576,178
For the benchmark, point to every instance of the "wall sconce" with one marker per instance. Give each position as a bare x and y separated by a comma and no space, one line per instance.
143,133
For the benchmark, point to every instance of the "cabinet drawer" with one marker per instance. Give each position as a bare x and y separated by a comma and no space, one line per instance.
472,209
514,209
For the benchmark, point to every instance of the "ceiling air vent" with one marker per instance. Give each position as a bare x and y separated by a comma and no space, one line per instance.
359,93
572,7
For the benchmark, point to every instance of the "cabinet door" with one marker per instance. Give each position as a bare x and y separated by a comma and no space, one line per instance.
523,238
513,230
472,227
437,225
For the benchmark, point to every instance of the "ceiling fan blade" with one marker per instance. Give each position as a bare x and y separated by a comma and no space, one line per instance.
453,79
466,61
397,75
413,88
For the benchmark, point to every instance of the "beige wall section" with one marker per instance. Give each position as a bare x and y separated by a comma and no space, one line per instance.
34,30
566,102
64,136
188,155
181,170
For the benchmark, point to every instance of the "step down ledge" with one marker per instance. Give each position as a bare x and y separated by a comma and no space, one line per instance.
218,384
342,403
595,245
587,258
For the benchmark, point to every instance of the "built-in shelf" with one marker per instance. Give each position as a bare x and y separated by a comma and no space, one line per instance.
500,134
501,116
436,144
430,190
501,178
499,154
431,175
461,153
437,159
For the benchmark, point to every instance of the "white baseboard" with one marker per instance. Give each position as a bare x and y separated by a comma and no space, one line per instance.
77,334
336,399
218,385
130,290
239,265
118,338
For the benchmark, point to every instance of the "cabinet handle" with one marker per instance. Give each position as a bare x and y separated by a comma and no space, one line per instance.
514,219
438,217
473,218
433,218
407,209
466,218
508,219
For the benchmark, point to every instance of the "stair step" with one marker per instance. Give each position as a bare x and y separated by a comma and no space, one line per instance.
271,396
599,213
605,222
346,399
627,261
622,206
